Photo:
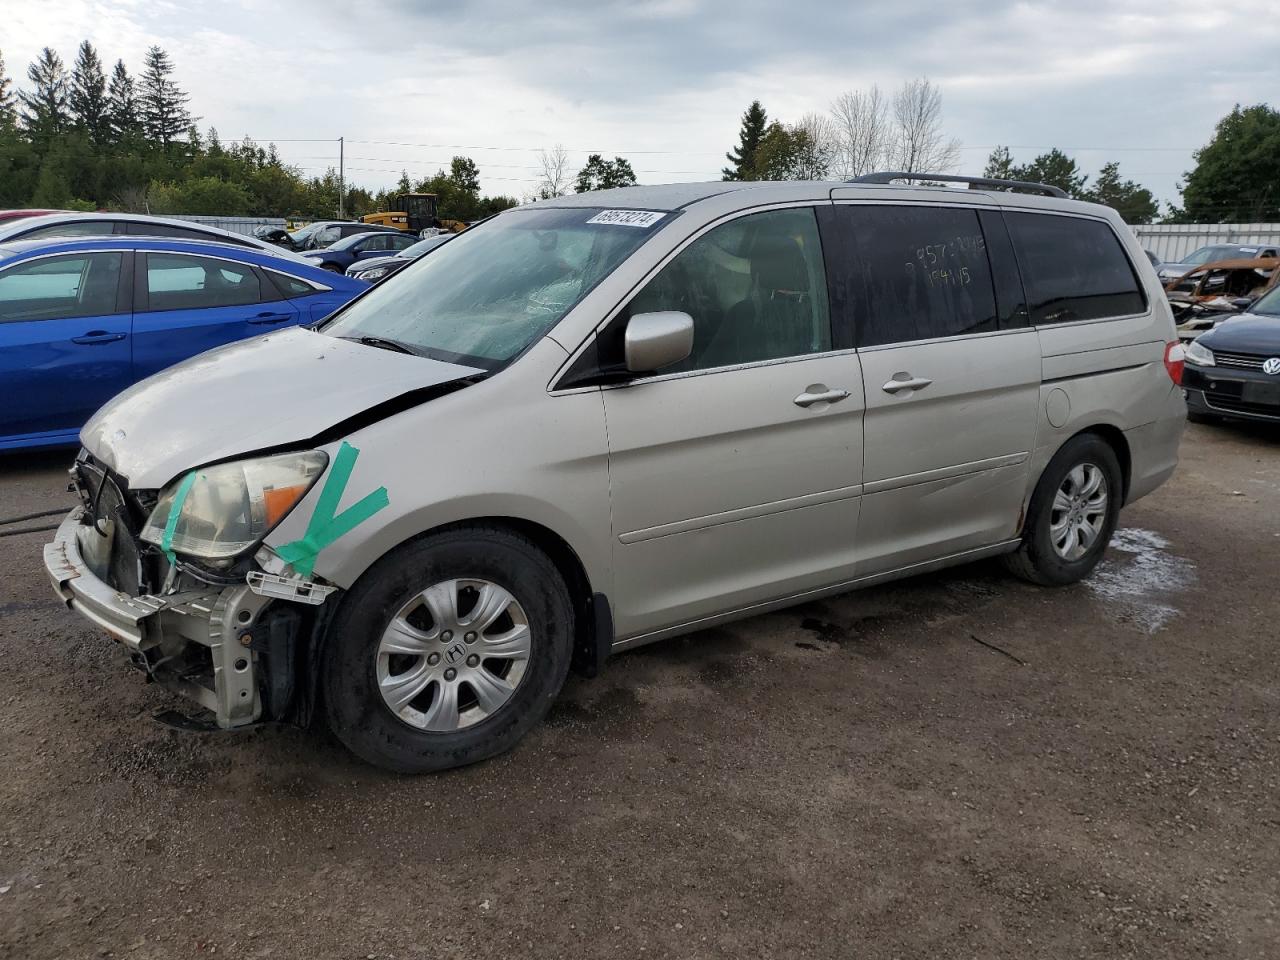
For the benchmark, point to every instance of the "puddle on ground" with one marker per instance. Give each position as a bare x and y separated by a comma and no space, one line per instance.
1139,580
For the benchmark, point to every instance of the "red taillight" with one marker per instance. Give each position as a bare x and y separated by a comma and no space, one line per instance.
1175,358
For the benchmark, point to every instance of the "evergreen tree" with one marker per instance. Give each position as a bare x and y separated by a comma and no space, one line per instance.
165,117
45,105
8,102
1000,165
1056,169
743,158
88,95
123,116
1135,203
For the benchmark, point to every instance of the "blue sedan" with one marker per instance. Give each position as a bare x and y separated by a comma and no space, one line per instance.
82,319
360,246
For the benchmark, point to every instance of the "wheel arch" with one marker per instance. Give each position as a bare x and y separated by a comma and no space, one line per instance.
593,630
1115,438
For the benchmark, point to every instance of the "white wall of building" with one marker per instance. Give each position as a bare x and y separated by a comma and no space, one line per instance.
1173,241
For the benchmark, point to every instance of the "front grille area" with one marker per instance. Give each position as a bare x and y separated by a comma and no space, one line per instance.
105,497
1236,405
1241,361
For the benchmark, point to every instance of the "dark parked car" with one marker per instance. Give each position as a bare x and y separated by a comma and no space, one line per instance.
1234,369
83,318
374,269
275,235
325,233
360,246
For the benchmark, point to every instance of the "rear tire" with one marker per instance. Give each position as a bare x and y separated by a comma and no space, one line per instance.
449,711
1072,516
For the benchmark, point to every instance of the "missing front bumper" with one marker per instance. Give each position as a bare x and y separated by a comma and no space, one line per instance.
193,642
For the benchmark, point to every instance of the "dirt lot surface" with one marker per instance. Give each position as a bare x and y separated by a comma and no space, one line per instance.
852,778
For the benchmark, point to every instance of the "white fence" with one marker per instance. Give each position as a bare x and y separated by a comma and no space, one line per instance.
243,225
1173,241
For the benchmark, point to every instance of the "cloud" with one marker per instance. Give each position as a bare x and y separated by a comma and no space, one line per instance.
666,82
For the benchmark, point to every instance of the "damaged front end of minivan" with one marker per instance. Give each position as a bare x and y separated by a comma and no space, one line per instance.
228,630
201,518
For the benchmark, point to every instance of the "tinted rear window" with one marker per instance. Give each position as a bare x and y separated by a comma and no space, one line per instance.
1073,269
919,273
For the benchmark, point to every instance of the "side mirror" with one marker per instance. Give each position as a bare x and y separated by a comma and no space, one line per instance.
656,340
1242,303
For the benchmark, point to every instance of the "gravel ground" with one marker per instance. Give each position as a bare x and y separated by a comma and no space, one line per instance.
959,765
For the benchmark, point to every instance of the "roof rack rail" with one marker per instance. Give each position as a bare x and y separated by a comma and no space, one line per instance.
1030,187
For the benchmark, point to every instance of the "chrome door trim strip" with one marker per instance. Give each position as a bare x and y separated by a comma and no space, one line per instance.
741,513
945,473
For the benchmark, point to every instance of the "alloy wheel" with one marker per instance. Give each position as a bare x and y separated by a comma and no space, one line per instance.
1079,511
453,655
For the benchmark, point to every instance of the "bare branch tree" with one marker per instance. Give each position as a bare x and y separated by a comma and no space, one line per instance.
860,122
554,179
919,145
816,138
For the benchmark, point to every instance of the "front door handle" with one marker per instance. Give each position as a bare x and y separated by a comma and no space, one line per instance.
817,393
98,336
904,381
271,318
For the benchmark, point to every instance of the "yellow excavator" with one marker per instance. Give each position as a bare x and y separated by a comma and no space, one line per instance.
413,213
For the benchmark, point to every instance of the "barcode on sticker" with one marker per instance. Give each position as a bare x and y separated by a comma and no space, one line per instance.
627,218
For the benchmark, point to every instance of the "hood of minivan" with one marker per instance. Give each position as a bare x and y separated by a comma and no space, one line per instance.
271,391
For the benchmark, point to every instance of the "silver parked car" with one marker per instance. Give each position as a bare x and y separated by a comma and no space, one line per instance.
1168,272
596,421
65,225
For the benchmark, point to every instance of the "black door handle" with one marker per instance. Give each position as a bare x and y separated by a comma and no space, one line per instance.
98,336
271,318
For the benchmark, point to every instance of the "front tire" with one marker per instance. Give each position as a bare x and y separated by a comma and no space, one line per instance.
1073,514
448,650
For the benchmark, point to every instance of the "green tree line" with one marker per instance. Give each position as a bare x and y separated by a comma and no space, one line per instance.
1236,177
89,138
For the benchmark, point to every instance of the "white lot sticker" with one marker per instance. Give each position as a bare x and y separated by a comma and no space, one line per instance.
628,218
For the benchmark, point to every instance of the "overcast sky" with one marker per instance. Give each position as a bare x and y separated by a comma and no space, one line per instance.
409,84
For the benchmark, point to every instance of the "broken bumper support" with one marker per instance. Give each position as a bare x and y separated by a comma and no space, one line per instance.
189,642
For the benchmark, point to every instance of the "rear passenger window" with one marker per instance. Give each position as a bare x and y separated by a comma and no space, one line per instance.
180,282
918,273
290,286
1073,269
77,228
183,233
755,287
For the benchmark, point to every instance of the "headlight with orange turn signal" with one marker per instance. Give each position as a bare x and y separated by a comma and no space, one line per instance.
227,509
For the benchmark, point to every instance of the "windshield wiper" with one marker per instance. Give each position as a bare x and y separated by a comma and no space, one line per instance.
384,343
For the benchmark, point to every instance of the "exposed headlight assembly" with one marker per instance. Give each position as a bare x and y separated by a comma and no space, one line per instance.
1200,356
225,510
374,274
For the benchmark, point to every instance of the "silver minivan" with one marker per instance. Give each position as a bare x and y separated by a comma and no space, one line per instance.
597,421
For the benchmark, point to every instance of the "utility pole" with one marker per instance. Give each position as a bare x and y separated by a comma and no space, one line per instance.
342,178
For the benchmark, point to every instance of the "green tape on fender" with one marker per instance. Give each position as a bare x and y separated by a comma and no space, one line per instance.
175,511
326,524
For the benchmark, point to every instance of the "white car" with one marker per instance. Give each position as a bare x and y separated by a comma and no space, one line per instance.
130,224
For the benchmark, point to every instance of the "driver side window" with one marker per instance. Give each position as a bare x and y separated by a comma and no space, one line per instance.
755,287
